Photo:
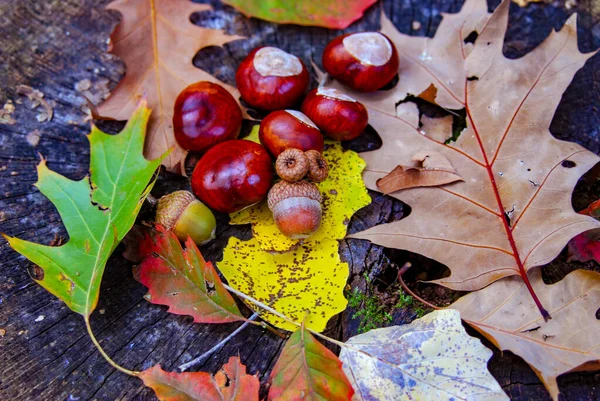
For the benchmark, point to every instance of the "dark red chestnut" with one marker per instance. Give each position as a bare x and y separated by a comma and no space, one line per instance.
205,114
364,61
337,115
284,129
233,175
271,79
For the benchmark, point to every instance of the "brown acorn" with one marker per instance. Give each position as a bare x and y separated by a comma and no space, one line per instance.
183,214
292,165
318,169
296,208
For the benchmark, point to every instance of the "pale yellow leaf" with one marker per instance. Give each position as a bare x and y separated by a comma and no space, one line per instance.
433,358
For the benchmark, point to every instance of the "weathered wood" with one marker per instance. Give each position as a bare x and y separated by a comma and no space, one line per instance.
45,353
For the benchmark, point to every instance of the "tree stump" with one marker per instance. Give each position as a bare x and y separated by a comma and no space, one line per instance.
59,48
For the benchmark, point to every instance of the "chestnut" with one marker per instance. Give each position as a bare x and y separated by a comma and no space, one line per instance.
233,175
271,79
337,115
205,114
364,61
285,129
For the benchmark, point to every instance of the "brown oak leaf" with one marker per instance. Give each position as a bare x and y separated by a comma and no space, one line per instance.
513,210
157,41
506,315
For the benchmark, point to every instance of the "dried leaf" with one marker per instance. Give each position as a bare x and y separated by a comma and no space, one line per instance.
157,41
505,314
343,192
431,358
326,13
586,246
306,370
231,383
97,212
433,169
513,210
309,278
183,281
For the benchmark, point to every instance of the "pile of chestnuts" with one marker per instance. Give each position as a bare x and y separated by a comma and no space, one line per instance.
235,173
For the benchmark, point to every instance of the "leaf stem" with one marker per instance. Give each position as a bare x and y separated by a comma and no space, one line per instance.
403,270
108,359
187,365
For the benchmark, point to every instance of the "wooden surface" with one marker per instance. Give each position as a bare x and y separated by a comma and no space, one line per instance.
45,353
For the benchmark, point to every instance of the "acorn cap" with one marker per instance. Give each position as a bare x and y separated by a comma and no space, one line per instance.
186,216
292,165
301,189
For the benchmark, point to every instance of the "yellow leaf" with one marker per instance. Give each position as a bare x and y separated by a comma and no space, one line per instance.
343,191
310,278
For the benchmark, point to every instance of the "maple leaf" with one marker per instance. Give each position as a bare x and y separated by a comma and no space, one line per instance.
431,358
306,370
231,383
97,212
513,211
326,13
506,315
586,246
182,280
157,41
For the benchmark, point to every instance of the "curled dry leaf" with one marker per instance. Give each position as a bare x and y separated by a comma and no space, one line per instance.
326,13
505,314
432,169
183,281
513,210
308,371
157,41
231,383
431,358
97,212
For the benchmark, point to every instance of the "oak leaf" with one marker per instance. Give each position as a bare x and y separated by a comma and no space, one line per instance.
586,246
157,41
506,315
326,13
306,370
182,280
513,210
97,212
231,383
431,358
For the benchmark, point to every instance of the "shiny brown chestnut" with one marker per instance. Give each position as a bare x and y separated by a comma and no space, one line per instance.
284,129
364,61
205,114
232,175
337,115
271,79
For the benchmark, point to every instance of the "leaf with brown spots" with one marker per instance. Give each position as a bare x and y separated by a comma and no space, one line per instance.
231,383
513,210
157,41
431,358
506,315
306,370
182,280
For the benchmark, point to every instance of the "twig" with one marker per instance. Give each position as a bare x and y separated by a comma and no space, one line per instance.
214,349
403,270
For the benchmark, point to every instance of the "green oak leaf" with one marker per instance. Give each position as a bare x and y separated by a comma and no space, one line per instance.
97,212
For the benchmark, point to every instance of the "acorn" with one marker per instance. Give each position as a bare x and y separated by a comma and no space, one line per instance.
292,165
296,208
183,214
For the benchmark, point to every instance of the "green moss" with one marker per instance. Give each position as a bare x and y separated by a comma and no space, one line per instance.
371,315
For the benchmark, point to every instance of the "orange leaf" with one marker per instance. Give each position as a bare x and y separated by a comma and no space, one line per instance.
435,170
513,210
157,41
231,383
307,371
182,280
506,315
